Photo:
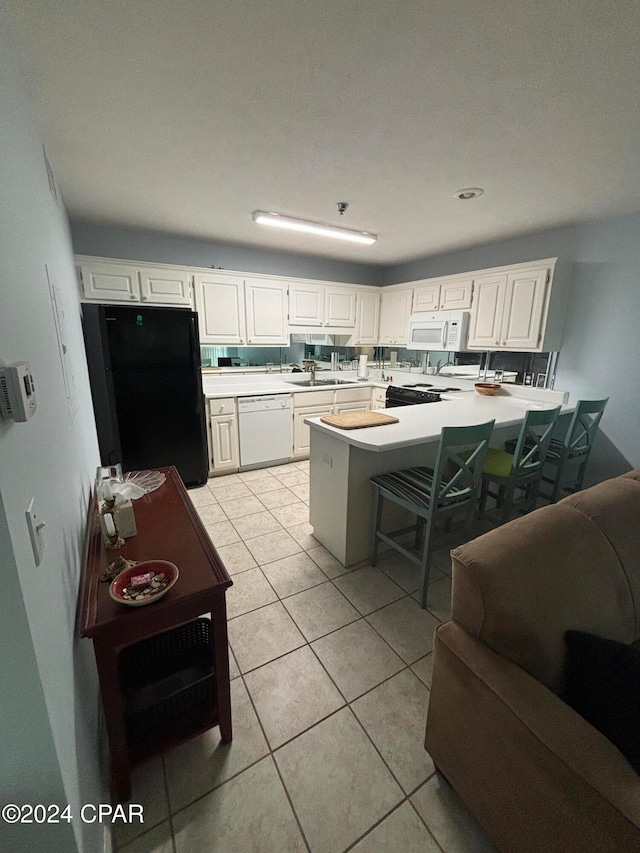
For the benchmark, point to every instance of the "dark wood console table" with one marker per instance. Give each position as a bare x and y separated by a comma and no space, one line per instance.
169,528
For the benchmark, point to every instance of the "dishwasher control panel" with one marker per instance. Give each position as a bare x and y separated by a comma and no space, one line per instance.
264,403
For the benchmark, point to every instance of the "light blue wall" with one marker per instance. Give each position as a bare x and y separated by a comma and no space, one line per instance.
138,245
600,354
49,699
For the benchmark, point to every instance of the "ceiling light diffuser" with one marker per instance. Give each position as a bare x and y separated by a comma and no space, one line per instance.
291,223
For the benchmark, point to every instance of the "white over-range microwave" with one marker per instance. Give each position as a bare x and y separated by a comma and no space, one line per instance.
439,330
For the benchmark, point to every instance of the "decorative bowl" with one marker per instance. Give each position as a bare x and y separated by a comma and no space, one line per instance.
487,389
120,583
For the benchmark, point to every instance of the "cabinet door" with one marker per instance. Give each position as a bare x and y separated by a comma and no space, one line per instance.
266,304
401,316
486,314
456,294
367,318
340,307
165,286
109,282
523,309
220,307
301,432
395,308
426,298
378,398
364,406
306,304
224,442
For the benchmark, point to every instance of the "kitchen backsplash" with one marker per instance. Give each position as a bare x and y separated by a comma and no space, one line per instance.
516,366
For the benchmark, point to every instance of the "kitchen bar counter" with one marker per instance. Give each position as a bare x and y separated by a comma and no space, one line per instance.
343,461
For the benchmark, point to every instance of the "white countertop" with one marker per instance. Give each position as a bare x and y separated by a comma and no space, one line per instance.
423,423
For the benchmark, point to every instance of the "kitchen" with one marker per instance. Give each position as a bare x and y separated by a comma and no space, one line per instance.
258,315
51,750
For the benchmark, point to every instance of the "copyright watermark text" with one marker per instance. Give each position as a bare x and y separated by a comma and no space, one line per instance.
88,813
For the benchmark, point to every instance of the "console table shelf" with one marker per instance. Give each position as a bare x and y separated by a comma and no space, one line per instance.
163,669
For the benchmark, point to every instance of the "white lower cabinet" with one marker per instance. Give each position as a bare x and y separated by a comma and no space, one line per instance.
352,400
312,404
378,398
224,435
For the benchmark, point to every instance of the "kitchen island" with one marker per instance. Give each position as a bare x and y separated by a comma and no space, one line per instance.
343,461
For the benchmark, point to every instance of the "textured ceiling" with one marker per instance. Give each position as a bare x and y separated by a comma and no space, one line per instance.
188,116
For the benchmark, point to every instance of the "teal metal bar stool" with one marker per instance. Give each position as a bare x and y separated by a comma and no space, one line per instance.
576,445
450,487
521,469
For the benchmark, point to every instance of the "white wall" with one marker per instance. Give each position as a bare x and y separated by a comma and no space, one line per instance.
600,353
49,687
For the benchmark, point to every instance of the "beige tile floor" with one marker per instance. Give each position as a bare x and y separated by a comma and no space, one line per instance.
331,670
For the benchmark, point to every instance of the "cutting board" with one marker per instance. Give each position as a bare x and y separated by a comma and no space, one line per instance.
358,420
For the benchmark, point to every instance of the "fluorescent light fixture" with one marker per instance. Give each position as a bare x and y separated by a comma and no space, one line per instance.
291,223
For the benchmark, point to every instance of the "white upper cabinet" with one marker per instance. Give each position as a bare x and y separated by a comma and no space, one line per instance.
486,317
523,309
340,307
165,286
448,294
233,310
367,318
266,306
319,304
395,309
127,282
306,304
220,306
426,298
456,294
106,282
520,309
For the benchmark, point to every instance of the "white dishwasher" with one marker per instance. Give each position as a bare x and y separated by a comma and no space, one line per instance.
264,427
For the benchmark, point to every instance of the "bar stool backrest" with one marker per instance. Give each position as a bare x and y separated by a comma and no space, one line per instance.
584,425
532,445
461,455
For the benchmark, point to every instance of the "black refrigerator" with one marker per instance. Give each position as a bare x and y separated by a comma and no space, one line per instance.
144,369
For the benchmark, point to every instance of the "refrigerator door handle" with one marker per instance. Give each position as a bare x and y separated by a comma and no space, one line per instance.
195,354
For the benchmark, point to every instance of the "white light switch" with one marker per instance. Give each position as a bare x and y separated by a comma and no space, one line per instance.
35,531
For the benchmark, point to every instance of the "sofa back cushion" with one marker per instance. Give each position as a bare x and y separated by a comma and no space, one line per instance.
519,587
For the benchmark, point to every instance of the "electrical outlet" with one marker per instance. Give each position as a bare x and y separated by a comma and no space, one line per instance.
35,531
327,460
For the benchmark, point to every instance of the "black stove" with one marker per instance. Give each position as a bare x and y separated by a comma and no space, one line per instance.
410,396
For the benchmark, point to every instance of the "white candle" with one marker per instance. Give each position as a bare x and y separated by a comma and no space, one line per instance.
108,523
107,491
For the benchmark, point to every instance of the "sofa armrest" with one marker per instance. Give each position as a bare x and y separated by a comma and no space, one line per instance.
534,773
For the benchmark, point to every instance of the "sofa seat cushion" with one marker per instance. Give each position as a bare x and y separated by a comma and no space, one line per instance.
602,684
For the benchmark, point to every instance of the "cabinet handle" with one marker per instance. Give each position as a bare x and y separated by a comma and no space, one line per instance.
504,343
132,296
497,343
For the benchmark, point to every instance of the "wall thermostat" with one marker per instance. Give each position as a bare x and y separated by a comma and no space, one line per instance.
17,393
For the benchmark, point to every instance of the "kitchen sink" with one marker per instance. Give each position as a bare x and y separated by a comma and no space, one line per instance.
313,383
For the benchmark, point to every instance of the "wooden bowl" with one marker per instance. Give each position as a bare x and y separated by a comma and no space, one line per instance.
487,389
122,581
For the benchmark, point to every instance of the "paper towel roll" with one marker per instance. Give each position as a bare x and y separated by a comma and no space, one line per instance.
362,367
